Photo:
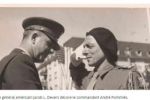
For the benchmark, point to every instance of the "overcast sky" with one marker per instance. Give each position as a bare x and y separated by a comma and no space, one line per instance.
127,24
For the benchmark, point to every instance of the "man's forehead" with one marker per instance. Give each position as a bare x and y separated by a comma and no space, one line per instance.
89,39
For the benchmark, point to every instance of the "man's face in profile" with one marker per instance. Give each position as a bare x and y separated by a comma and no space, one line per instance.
42,46
92,51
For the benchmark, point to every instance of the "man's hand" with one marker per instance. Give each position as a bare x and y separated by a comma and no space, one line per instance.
75,61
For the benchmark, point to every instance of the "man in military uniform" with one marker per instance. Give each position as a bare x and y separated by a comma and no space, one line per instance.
17,70
100,50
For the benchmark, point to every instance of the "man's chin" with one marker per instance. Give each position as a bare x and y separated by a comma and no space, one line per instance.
90,65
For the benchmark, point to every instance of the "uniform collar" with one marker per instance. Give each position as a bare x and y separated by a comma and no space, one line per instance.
104,68
23,51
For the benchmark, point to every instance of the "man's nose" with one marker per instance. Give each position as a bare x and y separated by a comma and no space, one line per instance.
85,52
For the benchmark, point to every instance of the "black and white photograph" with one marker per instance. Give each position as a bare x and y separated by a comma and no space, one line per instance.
74,48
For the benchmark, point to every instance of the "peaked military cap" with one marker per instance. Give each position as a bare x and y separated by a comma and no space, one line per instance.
49,27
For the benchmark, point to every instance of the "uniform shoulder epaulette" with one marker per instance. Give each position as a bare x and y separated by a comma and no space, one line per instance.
120,67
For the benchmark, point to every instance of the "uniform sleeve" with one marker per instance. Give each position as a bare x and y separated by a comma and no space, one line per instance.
78,73
21,73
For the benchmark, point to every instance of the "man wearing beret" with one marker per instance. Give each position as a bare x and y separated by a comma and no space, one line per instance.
17,70
100,50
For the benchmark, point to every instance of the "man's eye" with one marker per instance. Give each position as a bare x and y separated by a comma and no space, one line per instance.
89,46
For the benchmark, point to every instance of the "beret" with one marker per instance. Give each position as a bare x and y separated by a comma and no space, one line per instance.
49,27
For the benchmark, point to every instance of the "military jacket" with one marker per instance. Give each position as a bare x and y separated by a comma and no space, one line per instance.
19,72
109,78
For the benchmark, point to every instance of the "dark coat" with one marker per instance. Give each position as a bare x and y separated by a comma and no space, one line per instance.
20,72
110,78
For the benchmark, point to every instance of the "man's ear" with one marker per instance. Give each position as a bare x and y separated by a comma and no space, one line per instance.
34,37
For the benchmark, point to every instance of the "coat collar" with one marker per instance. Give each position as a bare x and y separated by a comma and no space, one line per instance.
104,68
23,51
